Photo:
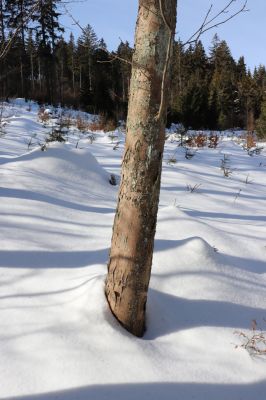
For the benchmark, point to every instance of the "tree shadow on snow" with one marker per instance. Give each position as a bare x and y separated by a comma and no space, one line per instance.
167,314
225,216
53,259
44,198
155,391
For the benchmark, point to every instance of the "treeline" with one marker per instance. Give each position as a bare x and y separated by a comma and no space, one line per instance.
214,91
37,62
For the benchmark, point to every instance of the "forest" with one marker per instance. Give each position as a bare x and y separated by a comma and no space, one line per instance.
209,88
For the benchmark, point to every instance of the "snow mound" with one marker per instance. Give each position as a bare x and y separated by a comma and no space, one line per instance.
60,170
57,195
196,246
69,164
59,339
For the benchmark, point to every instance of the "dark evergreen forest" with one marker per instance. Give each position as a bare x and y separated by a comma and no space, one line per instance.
208,90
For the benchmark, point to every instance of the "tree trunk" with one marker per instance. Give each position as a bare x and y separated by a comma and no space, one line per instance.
32,73
135,221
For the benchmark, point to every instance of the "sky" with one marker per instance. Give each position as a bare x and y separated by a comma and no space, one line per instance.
114,20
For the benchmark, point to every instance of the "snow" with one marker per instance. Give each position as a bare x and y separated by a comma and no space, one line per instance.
58,339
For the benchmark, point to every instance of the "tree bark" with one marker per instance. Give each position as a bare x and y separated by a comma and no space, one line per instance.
136,215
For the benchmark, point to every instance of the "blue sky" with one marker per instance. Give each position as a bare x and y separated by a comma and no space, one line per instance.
115,19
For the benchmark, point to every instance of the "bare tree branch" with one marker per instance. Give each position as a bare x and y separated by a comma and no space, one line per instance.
113,57
203,23
167,62
207,24
6,47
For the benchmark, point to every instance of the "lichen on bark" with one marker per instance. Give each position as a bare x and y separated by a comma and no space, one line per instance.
134,227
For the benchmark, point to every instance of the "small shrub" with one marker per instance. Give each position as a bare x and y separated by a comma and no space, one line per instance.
258,150
96,126
43,147
200,140
254,342
112,136
225,166
227,172
213,141
189,142
248,180
110,125
116,146
55,136
112,180
82,124
172,160
103,124
237,195
91,137
30,141
65,121
43,115
193,188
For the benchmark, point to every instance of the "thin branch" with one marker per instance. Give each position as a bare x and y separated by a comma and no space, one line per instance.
7,47
113,56
206,25
164,17
76,22
166,64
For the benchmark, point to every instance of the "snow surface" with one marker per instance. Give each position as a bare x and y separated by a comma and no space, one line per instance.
58,339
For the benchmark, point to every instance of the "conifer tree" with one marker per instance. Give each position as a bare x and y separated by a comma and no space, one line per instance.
17,14
47,28
223,82
86,47
72,61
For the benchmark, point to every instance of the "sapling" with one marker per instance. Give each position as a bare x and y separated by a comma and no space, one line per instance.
225,167
116,145
91,137
237,195
172,160
55,136
112,136
248,180
193,188
30,141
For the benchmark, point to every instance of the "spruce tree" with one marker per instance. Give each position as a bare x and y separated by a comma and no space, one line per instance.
18,14
48,28
224,83
86,47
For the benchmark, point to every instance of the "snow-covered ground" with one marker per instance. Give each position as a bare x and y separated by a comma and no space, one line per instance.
58,339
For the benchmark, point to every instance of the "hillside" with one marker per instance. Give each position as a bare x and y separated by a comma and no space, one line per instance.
58,339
